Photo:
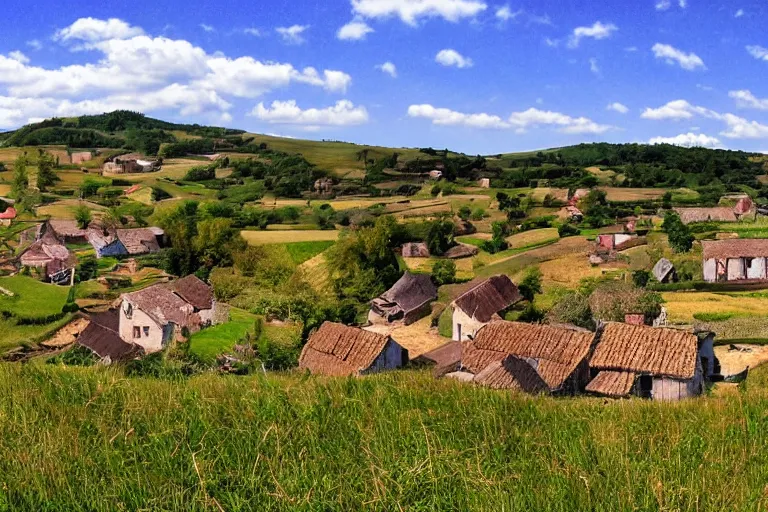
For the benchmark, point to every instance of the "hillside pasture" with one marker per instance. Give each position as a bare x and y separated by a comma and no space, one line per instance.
288,236
65,209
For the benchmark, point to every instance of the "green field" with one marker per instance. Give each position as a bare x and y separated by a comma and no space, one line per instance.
303,251
210,342
32,299
90,439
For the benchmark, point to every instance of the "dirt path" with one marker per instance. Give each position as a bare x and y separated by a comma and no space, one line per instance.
734,361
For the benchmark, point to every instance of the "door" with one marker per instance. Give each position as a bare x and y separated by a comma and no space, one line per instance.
458,330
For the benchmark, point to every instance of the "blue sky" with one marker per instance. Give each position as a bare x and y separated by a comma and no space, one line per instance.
472,75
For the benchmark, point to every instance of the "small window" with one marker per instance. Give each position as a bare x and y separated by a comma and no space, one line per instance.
146,330
137,332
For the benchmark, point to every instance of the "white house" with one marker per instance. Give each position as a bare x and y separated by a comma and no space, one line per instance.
478,306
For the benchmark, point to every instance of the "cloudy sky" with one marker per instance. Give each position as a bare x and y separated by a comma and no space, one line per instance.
473,75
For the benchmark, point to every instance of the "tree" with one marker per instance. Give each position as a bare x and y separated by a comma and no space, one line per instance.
530,286
497,243
180,225
680,236
444,272
46,176
83,216
440,236
465,212
595,208
20,185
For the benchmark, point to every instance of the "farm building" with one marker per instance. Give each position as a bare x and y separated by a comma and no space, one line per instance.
154,316
481,304
435,174
130,163
102,337
716,214
408,300
743,206
615,241
484,183
139,241
105,244
463,227
7,216
574,214
650,362
67,231
80,157
445,359
664,271
529,357
324,186
48,255
461,251
415,250
735,260
338,350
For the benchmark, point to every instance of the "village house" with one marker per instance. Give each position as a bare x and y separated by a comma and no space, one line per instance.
50,257
338,350
716,214
102,337
67,231
664,271
574,214
155,316
650,362
407,301
460,250
138,241
739,259
80,157
6,218
130,164
529,357
481,304
435,174
444,359
484,183
615,241
105,244
415,250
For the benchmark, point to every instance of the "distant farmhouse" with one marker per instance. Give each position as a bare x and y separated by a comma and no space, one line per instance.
338,350
131,163
481,304
739,259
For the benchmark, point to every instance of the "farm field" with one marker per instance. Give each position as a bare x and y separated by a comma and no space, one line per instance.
288,236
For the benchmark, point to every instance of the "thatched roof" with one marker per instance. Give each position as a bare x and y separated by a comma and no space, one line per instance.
338,350
643,349
512,373
736,248
662,269
409,292
194,291
102,338
557,351
66,228
138,240
495,294
446,358
461,251
613,384
415,250
716,214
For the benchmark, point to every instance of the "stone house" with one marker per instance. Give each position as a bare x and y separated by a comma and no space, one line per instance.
481,304
408,300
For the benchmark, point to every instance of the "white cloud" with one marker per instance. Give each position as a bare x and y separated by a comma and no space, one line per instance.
19,57
207,28
593,67
35,44
630,49
175,75
663,5
449,57
534,117
688,140
758,52
504,13
618,107
598,30
355,30
293,34
447,117
543,19
552,43
411,11
671,55
746,99
388,68
739,13
736,127
683,3
92,30
251,31
343,113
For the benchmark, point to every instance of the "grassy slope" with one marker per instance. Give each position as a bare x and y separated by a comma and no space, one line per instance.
89,439
32,298
209,343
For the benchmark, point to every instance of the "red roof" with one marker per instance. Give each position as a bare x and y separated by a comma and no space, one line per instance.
132,189
9,213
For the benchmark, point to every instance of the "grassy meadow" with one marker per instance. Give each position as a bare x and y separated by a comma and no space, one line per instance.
90,439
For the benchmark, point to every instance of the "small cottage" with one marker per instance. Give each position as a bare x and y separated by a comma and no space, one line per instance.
650,362
460,250
444,359
664,271
102,337
80,157
435,174
615,241
478,306
338,350
105,244
529,357
49,256
138,241
153,317
739,259
574,214
199,295
484,183
130,163
408,300
716,214
67,231
415,250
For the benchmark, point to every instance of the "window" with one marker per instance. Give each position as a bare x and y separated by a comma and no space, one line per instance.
137,332
146,330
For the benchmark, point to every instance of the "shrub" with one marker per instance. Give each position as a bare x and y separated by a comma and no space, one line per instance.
465,212
640,278
568,229
444,272
203,173
478,214
530,286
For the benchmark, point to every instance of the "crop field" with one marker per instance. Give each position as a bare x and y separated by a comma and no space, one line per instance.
513,264
303,251
464,266
682,306
315,271
604,175
532,237
288,236
65,208
209,343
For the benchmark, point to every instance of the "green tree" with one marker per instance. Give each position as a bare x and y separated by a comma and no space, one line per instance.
20,186
83,216
46,175
216,241
440,236
180,225
444,272
465,212
680,236
497,243
530,286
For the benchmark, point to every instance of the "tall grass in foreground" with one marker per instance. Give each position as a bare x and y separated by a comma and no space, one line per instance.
91,439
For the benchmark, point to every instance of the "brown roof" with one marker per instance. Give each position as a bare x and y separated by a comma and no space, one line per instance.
717,214
138,240
461,251
66,228
101,336
735,248
512,373
557,350
410,292
337,350
613,384
643,349
161,304
446,358
488,298
194,291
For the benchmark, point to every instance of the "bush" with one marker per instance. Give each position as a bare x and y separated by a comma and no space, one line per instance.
531,314
465,213
530,286
76,356
568,229
444,272
640,278
203,173
478,214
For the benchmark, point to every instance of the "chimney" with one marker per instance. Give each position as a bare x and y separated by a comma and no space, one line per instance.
634,319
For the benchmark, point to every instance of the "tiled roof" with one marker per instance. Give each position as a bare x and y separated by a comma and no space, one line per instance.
488,298
735,248
614,384
194,291
336,350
